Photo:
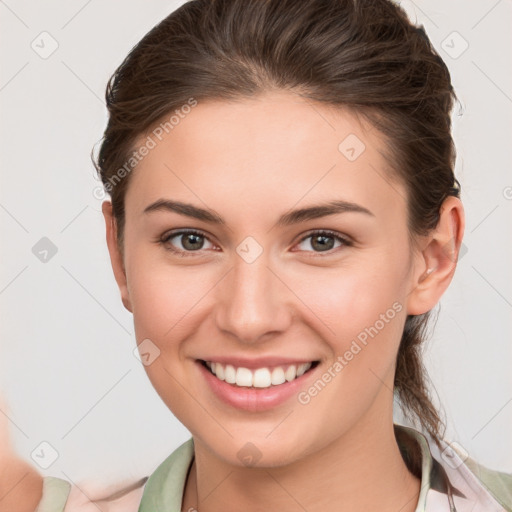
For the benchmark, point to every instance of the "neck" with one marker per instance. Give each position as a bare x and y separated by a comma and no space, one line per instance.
361,470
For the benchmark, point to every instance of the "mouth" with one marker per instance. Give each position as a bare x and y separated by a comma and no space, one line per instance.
258,378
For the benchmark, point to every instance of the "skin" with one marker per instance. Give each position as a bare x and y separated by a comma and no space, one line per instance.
250,161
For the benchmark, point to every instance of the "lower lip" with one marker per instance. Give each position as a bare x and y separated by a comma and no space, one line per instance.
254,399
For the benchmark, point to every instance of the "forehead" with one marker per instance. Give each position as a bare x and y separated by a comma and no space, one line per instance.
268,153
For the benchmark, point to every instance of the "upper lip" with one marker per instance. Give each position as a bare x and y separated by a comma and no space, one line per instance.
260,362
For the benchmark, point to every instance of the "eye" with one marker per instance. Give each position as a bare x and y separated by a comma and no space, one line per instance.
190,240
323,240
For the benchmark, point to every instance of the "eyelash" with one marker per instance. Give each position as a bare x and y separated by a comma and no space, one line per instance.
164,241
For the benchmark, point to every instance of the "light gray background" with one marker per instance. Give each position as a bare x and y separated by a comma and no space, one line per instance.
66,362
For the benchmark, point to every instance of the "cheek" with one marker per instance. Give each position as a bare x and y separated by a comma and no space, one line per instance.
166,301
365,316
348,300
163,296
363,308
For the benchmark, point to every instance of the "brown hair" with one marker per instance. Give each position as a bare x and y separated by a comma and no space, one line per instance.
363,55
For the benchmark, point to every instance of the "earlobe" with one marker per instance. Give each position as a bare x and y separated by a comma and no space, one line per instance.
116,257
435,264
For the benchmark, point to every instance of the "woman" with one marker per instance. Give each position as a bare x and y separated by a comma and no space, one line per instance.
283,218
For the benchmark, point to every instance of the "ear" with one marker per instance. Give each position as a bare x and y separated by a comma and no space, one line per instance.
116,258
436,260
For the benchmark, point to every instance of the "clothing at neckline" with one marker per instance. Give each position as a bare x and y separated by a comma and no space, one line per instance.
164,488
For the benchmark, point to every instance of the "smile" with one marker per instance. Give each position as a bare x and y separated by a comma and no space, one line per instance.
259,377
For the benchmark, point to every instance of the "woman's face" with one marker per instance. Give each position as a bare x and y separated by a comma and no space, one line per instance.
258,289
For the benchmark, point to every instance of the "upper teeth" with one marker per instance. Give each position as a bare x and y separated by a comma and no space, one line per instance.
259,378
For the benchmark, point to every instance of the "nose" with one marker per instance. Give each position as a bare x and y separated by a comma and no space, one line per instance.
252,302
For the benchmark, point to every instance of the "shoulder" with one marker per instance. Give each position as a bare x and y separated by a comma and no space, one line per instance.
497,483
59,495
165,483
55,494
450,471
490,488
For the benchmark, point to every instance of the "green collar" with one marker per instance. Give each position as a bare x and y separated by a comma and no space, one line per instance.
164,488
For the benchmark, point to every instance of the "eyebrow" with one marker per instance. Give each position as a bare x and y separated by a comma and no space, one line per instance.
292,217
